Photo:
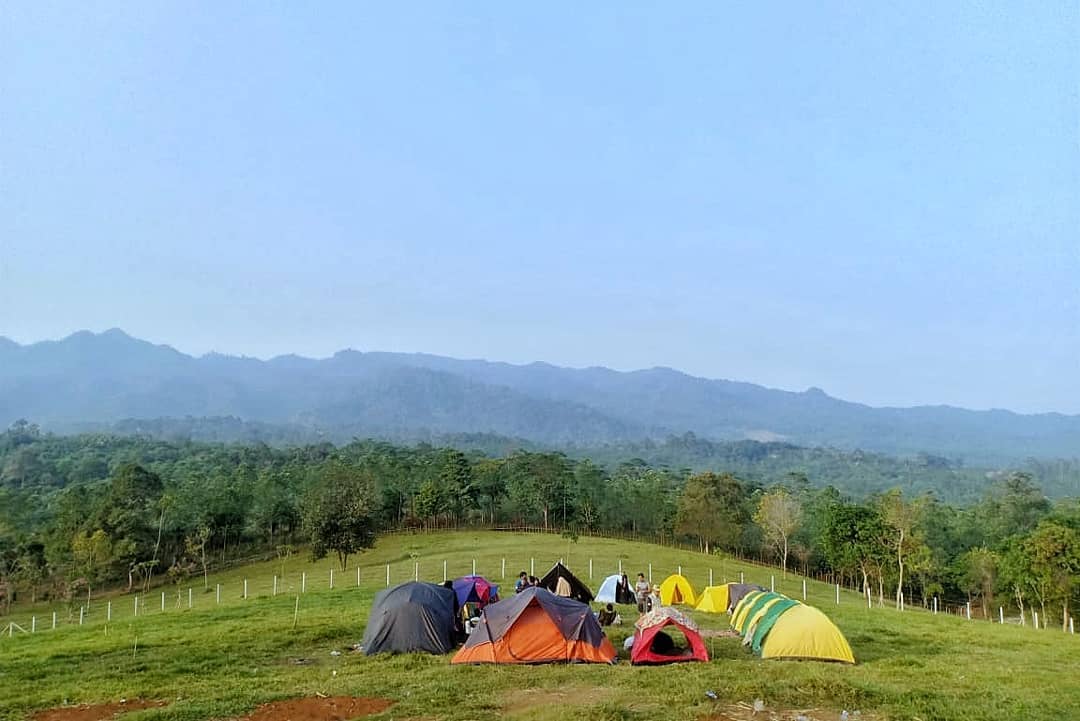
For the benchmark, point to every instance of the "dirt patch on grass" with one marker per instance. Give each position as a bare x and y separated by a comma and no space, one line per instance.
745,712
315,708
93,712
525,702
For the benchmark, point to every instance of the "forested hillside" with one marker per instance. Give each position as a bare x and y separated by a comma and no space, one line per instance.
82,511
92,381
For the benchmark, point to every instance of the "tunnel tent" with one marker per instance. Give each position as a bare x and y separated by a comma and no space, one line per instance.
578,590
756,633
714,599
676,590
738,614
536,626
804,632
757,609
411,617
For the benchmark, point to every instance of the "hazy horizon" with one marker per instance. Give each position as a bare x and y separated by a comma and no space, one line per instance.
883,202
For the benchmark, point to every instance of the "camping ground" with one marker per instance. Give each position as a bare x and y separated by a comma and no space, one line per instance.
221,660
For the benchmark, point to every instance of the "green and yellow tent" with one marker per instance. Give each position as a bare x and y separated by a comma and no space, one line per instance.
775,626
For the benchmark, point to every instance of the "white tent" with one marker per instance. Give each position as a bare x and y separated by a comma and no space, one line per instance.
606,594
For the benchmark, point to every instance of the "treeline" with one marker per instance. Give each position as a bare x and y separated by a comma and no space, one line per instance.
81,512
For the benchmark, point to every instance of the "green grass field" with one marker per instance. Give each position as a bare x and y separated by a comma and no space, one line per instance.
218,661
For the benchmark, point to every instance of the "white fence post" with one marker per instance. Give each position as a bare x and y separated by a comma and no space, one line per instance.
303,582
502,574
968,610
1001,615
1036,615
33,624
474,567
388,575
742,577
108,611
331,578
416,571
54,620
532,566
650,573
163,601
838,594
935,605
245,588
189,603
772,583
620,566
710,577
358,576
680,569
1071,629
590,569
444,570
804,589
136,604
274,592
82,610
218,594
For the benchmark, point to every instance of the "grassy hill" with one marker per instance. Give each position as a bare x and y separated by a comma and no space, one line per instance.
218,660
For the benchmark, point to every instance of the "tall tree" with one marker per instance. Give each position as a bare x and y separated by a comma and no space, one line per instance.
778,514
340,512
901,519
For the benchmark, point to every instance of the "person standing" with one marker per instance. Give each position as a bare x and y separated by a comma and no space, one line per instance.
641,590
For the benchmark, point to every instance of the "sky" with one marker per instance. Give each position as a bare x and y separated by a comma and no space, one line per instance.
880,201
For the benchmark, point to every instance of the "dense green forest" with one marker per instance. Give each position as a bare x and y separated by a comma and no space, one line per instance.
81,512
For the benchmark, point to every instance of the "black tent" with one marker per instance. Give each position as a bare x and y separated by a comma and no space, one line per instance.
411,617
578,590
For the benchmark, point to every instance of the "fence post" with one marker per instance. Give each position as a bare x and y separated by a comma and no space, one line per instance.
303,582
742,578
804,589
444,571
474,567
710,577
680,569
502,574
968,610
136,604
590,569
331,578
1071,629
388,575
620,566
33,624
108,611
358,576
217,598
772,583
1036,615
838,594
54,620
245,588
82,610
935,605
416,571
163,601
189,604
274,592
1001,615
532,566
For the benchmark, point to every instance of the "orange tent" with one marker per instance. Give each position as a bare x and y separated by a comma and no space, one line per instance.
536,626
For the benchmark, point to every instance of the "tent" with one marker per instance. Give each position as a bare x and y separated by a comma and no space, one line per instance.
475,589
676,589
714,599
775,626
805,632
648,635
414,616
608,588
536,626
578,590
736,591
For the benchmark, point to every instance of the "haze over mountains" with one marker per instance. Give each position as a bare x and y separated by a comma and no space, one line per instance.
88,380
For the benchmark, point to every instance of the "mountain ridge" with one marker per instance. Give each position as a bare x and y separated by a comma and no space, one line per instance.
110,376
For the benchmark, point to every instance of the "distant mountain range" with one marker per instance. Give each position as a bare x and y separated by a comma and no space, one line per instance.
94,380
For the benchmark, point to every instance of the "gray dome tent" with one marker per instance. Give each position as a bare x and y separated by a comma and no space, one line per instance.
411,617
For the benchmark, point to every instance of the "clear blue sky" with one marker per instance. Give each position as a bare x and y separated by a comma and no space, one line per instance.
881,201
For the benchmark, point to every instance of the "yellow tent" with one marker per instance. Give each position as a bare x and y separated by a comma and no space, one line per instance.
714,599
805,632
743,607
676,589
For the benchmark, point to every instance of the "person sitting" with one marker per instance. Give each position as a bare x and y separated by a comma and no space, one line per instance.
607,616
521,583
